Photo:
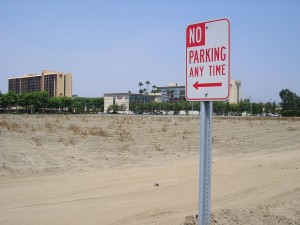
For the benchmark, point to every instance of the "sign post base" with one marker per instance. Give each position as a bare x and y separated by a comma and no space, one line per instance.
205,162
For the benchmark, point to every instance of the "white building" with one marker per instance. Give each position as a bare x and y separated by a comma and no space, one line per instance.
235,91
126,98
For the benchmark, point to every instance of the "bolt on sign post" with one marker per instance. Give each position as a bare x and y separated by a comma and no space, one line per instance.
207,80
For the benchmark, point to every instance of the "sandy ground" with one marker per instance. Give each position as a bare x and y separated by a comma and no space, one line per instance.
133,170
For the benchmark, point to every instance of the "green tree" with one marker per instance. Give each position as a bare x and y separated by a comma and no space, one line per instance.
66,104
113,108
177,107
9,100
290,103
268,107
133,107
289,100
77,106
98,104
55,104
40,100
245,105
234,108
24,99
219,108
257,108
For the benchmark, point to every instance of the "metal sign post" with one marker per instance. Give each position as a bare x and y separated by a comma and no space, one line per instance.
205,162
207,79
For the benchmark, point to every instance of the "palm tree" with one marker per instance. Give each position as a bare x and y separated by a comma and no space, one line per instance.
154,89
140,85
144,90
147,82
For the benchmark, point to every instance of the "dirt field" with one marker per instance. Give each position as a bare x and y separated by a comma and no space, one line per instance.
134,170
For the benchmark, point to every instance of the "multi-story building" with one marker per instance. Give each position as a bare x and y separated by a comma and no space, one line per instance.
235,91
172,92
57,84
126,98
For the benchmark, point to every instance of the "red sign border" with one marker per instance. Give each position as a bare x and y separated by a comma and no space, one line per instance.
186,72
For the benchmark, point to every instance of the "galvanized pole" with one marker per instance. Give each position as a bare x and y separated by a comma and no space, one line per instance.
205,162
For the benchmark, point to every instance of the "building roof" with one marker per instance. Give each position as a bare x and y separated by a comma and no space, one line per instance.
126,93
25,76
171,87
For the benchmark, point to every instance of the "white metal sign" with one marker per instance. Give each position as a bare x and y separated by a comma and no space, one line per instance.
208,61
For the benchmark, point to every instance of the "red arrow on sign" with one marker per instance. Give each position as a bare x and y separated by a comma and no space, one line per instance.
197,85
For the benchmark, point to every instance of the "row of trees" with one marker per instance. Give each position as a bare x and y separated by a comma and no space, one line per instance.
41,102
219,108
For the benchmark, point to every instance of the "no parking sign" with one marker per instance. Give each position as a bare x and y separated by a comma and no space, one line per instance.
208,61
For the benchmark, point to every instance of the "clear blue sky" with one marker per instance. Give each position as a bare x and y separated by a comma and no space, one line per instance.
112,45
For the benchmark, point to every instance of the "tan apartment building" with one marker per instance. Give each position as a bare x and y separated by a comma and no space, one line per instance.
57,84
